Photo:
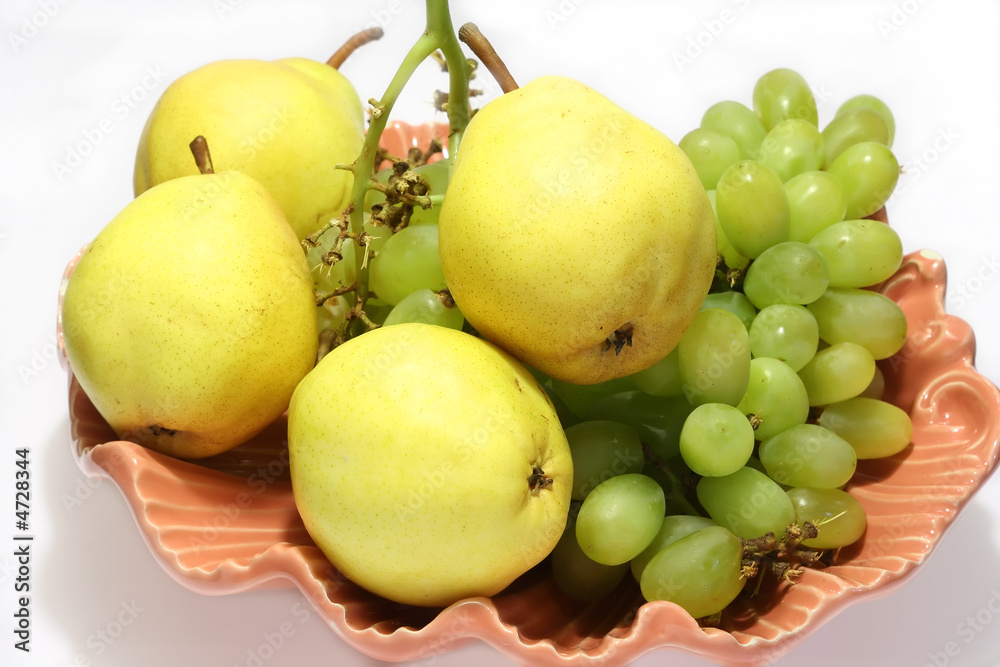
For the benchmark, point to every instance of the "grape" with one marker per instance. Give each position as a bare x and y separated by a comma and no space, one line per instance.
776,395
576,574
808,455
870,319
816,200
781,94
738,122
874,427
716,440
328,277
424,305
333,313
701,572
876,105
859,253
789,272
747,502
600,451
713,356
736,303
710,152
852,127
620,517
792,147
437,176
580,397
407,262
730,256
875,388
752,207
662,378
869,172
674,527
837,373
839,517
657,420
786,332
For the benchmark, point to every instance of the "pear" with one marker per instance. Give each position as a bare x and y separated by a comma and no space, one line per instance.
190,318
427,464
286,123
573,234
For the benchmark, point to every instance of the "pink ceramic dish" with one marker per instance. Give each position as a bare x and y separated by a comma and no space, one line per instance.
229,523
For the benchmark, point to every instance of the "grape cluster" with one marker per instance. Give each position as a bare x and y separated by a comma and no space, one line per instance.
742,439
405,275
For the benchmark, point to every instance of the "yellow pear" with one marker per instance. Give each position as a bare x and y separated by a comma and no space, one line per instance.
427,464
573,234
190,318
286,123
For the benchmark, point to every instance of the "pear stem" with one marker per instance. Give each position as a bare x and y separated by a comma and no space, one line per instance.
439,34
470,34
202,156
352,44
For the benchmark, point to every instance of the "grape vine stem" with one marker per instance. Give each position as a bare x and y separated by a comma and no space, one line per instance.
438,35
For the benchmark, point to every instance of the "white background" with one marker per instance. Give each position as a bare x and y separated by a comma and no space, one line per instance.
68,65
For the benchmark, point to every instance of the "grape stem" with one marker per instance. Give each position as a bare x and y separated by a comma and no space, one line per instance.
439,35
676,485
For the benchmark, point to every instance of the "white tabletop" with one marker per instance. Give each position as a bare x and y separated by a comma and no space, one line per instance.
86,74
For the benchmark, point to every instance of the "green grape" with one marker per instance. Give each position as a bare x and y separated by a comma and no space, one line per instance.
620,517
730,256
859,253
332,314
424,305
775,395
738,122
875,388
601,450
874,428
713,356
781,94
789,272
869,172
701,572
816,200
578,575
437,177
407,262
657,420
852,127
710,152
746,502
792,147
580,397
676,502
716,440
839,517
837,373
736,303
752,207
662,378
870,319
876,105
786,332
674,527
808,455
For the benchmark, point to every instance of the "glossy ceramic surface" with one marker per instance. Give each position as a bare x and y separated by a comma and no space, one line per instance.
228,524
